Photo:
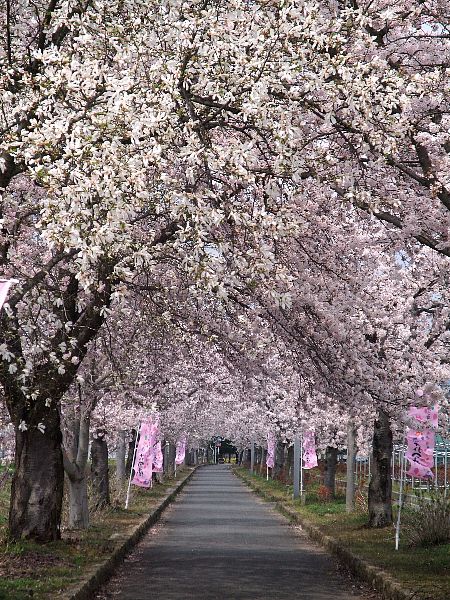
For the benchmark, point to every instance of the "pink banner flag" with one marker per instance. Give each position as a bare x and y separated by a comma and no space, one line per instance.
158,458
4,289
309,450
144,456
426,416
420,444
270,461
181,451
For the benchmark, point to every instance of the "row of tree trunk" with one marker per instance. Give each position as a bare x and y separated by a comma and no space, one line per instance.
38,481
99,473
380,485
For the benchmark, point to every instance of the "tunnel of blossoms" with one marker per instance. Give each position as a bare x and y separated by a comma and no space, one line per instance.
226,222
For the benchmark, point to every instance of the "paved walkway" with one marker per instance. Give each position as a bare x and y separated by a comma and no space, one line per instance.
220,541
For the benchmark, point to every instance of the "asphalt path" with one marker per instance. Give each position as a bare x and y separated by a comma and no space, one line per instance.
220,541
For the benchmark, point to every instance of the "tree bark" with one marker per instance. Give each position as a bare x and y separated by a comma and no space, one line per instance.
169,459
131,444
262,469
351,458
120,457
279,460
37,485
75,462
330,470
290,463
78,503
100,470
380,487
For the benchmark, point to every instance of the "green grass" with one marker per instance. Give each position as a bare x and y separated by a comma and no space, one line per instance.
41,571
425,571
323,509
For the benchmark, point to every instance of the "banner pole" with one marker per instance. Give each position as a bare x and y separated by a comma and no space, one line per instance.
445,468
301,466
436,480
138,431
400,495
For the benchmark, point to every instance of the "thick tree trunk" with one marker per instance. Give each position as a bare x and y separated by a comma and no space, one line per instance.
278,469
380,487
330,470
192,455
170,452
37,486
120,457
131,444
263,462
351,462
100,471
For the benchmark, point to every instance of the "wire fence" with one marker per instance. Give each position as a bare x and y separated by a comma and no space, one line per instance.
413,486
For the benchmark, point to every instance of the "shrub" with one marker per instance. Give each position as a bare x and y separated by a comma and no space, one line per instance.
323,494
429,523
361,503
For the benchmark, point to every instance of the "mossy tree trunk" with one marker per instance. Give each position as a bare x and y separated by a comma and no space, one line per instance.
380,487
331,454
100,470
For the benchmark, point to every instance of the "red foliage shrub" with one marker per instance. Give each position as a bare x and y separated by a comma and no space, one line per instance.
323,494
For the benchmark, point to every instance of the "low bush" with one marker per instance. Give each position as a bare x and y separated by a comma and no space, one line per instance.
429,523
361,503
323,494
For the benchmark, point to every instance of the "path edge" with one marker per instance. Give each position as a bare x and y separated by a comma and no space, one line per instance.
379,580
104,570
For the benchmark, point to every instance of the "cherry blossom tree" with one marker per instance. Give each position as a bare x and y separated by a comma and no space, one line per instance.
249,146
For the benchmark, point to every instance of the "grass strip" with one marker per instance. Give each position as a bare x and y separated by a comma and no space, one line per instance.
413,573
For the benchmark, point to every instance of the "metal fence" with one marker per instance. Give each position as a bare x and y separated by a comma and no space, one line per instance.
412,485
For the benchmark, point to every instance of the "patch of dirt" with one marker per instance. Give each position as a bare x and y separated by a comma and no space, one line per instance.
29,564
359,588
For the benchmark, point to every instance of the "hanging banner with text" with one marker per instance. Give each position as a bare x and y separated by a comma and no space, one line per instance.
181,451
270,461
309,450
158,459
144,456
420,442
